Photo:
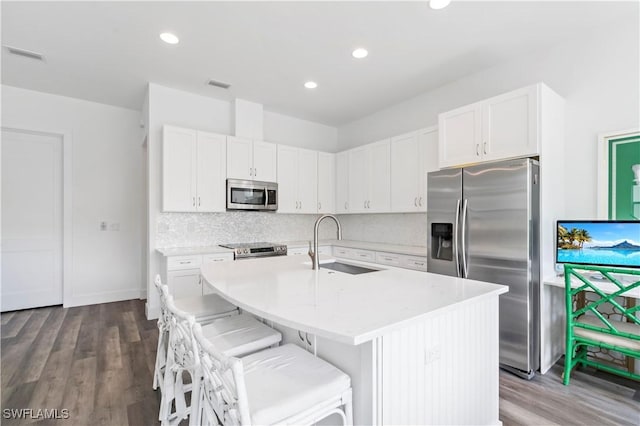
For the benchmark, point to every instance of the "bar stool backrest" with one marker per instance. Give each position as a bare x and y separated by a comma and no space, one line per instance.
223,392
180,337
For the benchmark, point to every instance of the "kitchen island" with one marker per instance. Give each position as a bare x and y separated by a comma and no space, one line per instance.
420,348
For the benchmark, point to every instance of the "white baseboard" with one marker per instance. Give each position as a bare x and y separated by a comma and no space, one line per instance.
105,297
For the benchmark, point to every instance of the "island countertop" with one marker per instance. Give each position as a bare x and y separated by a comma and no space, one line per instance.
351,309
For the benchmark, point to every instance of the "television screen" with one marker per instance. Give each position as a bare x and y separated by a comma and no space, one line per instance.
599,242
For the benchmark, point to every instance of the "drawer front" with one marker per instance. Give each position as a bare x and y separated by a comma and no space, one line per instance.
388,259
343,252
365,255
176,263
297,251
218,257
326,250
414,262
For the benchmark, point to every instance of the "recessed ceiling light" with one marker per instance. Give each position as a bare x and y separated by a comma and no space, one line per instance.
311,85
360,53
439,4
169,38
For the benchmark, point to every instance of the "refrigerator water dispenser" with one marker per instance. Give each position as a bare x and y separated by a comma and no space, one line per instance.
442,240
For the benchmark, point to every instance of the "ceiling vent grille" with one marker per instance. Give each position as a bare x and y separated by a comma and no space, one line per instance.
219,84
25,53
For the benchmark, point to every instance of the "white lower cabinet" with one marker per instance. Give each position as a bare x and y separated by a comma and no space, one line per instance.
418,263
325,250
183,273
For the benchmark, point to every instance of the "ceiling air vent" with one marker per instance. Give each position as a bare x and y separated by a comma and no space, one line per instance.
25,53
219,84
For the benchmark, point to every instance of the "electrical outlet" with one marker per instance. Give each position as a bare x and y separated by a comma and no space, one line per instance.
431,355
103,226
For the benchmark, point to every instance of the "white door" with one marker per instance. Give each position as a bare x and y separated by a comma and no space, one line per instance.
287,179
510,125
31,220
460,136
179,155
358,179
265,156
405,173
239,158
308,180
379,177
326,182
342,182
212,172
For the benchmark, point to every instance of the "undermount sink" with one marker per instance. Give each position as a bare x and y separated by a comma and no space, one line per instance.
346,268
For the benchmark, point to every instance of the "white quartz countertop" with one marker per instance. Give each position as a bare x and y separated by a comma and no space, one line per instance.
364,245
187,251
351,309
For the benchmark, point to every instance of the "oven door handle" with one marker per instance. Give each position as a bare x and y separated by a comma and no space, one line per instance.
266,197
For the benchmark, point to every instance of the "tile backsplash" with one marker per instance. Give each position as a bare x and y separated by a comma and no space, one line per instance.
207,229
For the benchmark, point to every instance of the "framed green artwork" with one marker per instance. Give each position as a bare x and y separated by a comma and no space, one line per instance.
619,176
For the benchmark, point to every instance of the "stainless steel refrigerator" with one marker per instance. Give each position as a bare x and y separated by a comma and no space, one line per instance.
483,225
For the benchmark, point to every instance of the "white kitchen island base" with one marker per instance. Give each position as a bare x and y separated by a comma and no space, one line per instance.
443,370
420,348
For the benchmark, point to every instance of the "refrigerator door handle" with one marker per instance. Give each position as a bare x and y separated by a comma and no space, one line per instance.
455,239
465,272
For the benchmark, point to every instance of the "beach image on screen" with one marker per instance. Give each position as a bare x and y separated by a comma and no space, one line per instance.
599,243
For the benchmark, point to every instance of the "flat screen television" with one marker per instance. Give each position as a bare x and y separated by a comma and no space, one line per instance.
598,242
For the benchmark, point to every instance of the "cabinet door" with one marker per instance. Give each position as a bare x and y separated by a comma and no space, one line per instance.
379,177
264,161
239,158
287,179
342,182
428,155
510,124
460,136
184,283
307,181
178,169
358,179
211,172
326,182
405,173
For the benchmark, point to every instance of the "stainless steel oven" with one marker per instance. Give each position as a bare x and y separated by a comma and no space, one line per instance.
251,195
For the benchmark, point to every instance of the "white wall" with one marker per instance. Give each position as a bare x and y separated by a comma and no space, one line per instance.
598,77
106,186
301,133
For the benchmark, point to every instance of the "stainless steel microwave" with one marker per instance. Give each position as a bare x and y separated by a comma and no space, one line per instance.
251,195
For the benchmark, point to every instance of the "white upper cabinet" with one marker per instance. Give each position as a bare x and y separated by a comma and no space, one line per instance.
297,180
193,170
251,160
498,128
342,182
412,156
326,182
264,161
369,171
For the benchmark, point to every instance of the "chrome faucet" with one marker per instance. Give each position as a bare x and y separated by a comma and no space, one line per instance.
315,262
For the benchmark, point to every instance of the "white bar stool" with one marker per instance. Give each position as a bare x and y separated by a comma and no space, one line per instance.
237,334
284,385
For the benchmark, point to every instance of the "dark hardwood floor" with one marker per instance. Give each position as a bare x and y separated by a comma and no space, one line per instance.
97,363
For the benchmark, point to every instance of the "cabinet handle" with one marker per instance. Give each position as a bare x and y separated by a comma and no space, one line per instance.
250,171
198,201
484,148
415,201
478,149
319,205
185,262
255,172
218,260
420,201
346,205
363,255
194,201
418,263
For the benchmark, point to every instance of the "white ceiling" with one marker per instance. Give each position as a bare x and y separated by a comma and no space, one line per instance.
107,51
